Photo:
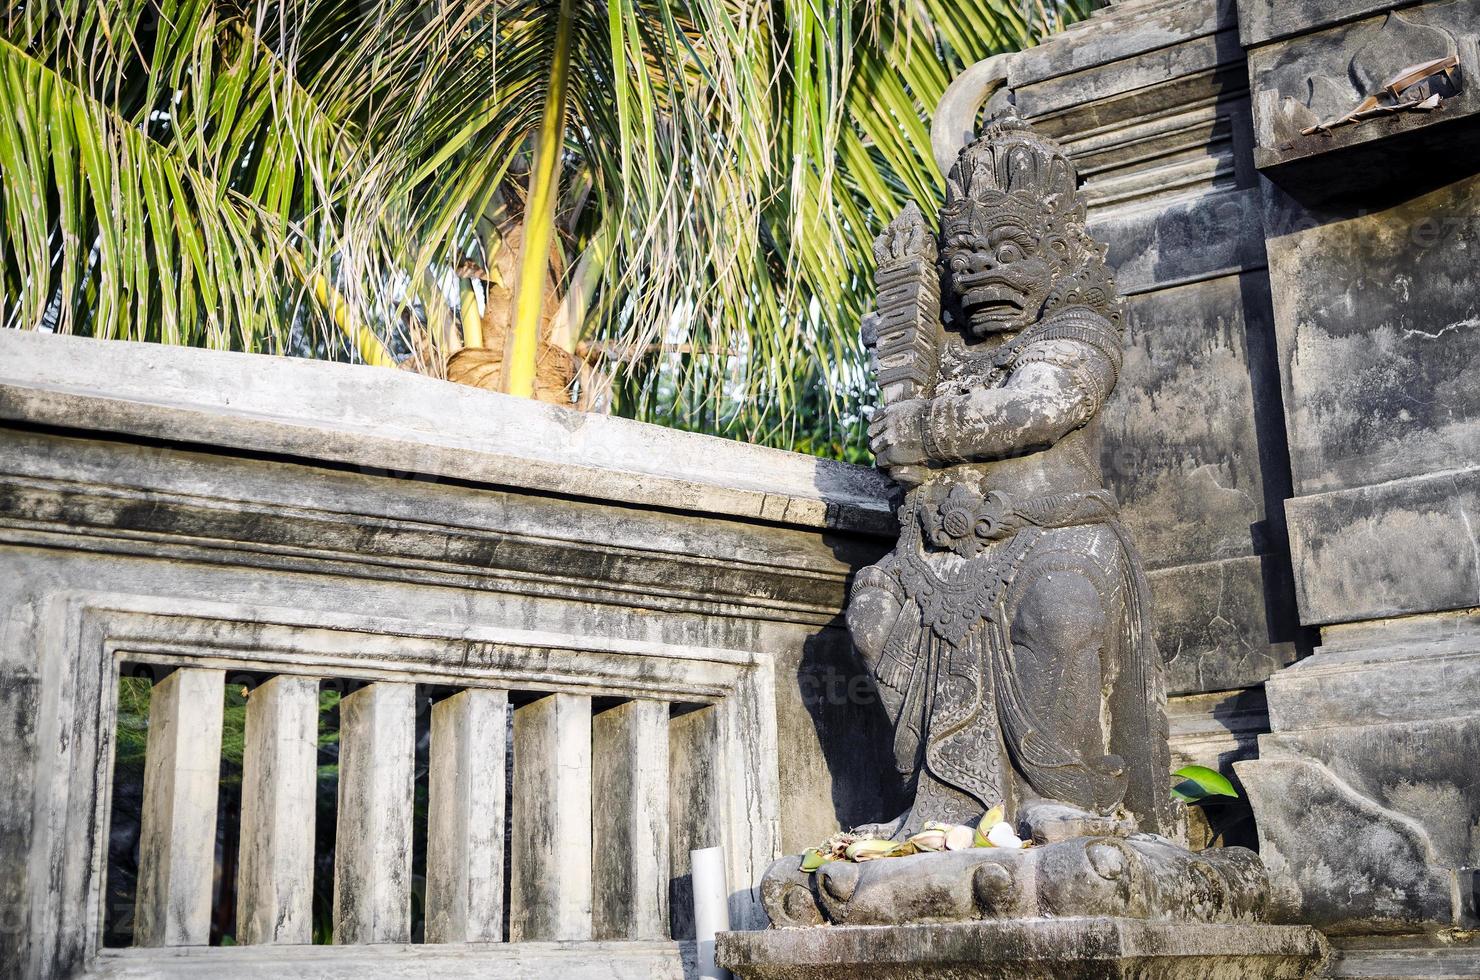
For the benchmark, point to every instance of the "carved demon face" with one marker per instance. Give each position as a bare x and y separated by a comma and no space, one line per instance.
1002,257
1012,228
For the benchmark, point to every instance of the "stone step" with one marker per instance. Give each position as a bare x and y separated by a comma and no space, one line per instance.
1414,963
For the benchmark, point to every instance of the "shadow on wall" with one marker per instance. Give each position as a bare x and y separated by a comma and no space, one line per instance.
852,730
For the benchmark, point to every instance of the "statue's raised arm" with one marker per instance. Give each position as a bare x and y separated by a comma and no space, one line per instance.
1029,337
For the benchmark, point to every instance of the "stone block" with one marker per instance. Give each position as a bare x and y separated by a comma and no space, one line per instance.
1223,624
1027,949
550,889
1395,548
274,901
177,835
1376,321
1340,861
1116,33
1381,673
465,818
1312,62
629,816
372,836
1187,429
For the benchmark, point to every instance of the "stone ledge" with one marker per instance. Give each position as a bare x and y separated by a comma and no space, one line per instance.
570,961
1405,963
382,420
1061,949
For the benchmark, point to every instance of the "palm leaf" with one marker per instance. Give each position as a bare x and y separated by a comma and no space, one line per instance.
304,177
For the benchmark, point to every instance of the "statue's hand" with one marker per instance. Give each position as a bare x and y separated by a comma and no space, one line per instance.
897,435
906,237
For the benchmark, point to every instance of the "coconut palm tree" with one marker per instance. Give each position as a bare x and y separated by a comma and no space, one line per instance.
656,207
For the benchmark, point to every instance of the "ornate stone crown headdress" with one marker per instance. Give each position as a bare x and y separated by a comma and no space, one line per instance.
1009,158
1010,170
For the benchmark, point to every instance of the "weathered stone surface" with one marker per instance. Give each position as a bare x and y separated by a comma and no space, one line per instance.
1363,792
629,815
177,836
584,961
1198,55
1031,949
1419,962
1261,21
465,818
1401,547
550,889
1224,624
1187,240
274,898
1316,62
1338,860
1185,422
1141,877
1376,319
843,774
1390,671
372,835
395,422
1120,34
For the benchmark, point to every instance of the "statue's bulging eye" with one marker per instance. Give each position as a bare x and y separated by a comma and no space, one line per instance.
1009,252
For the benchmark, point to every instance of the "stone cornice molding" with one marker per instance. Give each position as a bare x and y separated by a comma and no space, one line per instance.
392,421
166,503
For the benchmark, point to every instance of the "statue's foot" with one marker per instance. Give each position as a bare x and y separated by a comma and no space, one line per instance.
1049,821
884,831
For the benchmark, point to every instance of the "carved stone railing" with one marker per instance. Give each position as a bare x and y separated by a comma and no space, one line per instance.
583,869
588,616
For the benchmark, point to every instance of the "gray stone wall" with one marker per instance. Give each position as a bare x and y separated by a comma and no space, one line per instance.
1294,438
1151,100
1365,788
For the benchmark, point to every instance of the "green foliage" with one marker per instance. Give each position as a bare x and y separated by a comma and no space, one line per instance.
133,725
1199,784
305,176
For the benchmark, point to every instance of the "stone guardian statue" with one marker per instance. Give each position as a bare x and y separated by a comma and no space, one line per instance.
1009,639
1008,632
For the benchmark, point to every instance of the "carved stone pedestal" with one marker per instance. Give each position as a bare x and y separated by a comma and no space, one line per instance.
1027,949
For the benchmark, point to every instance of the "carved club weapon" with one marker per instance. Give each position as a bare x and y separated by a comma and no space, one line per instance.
904,334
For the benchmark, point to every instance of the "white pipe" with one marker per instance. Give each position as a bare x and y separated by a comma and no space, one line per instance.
711,907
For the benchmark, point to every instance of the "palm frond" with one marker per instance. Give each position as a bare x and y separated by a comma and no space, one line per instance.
307,176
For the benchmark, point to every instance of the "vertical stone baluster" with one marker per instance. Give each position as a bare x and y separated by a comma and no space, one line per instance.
372,838
274,893
694,815
177,833
630,821
550,895
465,828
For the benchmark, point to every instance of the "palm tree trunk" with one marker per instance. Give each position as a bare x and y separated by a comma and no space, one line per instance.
539,219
